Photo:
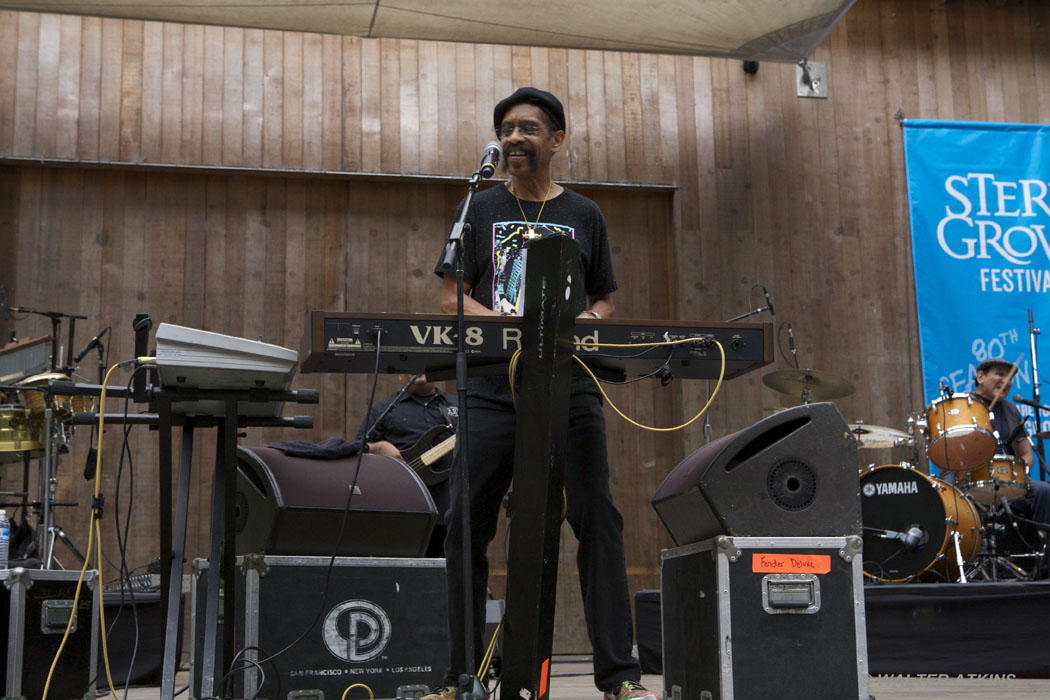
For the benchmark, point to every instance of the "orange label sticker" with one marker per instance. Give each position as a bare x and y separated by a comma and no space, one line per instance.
766,563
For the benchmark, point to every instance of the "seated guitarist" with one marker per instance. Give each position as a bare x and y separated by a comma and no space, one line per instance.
417,425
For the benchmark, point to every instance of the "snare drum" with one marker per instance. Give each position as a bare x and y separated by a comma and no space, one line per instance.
960,436
35,401
17,432
896,499
1009,471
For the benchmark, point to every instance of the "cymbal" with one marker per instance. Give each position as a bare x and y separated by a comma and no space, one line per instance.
821,385
871,436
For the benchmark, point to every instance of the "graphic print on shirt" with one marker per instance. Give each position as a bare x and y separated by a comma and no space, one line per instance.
507,264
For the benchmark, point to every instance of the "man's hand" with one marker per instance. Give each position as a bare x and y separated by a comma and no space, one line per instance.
384,448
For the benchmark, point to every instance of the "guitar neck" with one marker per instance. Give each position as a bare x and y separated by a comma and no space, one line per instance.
437,451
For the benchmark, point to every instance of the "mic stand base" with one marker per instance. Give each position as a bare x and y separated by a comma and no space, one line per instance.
470,688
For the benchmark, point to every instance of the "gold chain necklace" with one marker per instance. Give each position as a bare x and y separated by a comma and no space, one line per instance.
532,229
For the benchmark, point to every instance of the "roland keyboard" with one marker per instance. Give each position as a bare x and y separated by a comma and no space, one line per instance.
411,343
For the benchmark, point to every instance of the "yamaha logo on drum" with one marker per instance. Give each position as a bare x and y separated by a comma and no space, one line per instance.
891,488
356,631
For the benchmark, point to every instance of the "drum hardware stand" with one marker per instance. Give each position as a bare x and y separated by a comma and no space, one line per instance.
958,554
55,532
48,530
993,559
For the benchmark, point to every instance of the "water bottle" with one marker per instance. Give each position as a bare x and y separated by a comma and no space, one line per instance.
5,538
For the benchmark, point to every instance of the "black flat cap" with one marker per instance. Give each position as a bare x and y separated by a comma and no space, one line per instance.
994,362
550,104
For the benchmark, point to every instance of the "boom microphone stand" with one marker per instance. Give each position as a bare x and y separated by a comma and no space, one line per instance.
707,382
1033,332
470,687
56,323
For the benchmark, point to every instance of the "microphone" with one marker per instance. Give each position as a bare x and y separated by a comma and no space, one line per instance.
769,302
410,382
93,343
3,303
1006,506
912,538
1020,399
91,463
490,158
791,340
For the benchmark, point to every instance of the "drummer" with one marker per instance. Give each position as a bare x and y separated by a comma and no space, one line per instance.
994,378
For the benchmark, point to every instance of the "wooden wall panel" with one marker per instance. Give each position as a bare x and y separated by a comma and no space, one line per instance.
805,197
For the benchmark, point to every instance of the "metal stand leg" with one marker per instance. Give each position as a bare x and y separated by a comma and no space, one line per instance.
173,617
221,570
57,534
43,525
959,557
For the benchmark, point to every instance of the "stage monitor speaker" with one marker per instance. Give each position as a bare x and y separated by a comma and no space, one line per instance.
791,474
294,506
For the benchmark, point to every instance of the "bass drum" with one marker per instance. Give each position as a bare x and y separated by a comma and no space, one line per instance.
909,523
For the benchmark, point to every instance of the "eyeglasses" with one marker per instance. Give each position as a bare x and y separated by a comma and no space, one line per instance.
528,128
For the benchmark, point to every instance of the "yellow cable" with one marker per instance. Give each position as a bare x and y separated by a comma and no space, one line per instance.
512,372
371,695
72,616
484,668
93,529
513,367
721,375
656,344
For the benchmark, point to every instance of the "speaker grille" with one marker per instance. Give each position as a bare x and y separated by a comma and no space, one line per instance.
792,484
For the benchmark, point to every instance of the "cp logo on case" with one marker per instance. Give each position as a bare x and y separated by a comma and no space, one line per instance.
356,631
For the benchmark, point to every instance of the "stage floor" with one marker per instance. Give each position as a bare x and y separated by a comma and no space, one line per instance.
571,680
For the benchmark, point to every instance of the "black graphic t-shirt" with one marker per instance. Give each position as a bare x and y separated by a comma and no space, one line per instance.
492,260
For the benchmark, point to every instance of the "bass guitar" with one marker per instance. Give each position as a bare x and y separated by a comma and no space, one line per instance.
426,452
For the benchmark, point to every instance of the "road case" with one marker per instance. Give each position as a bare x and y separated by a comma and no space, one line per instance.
753,618
35,615
382,623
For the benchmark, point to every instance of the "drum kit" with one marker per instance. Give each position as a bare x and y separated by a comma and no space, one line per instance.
954,526
35,425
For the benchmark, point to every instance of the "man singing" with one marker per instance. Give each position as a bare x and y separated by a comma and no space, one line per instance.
530,125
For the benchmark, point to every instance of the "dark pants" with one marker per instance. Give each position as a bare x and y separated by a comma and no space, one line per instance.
1036,505
592,514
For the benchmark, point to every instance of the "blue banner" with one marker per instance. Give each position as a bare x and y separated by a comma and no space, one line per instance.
979,201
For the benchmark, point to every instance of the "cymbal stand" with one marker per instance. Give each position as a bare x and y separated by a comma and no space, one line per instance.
48,531
908,446
46,485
